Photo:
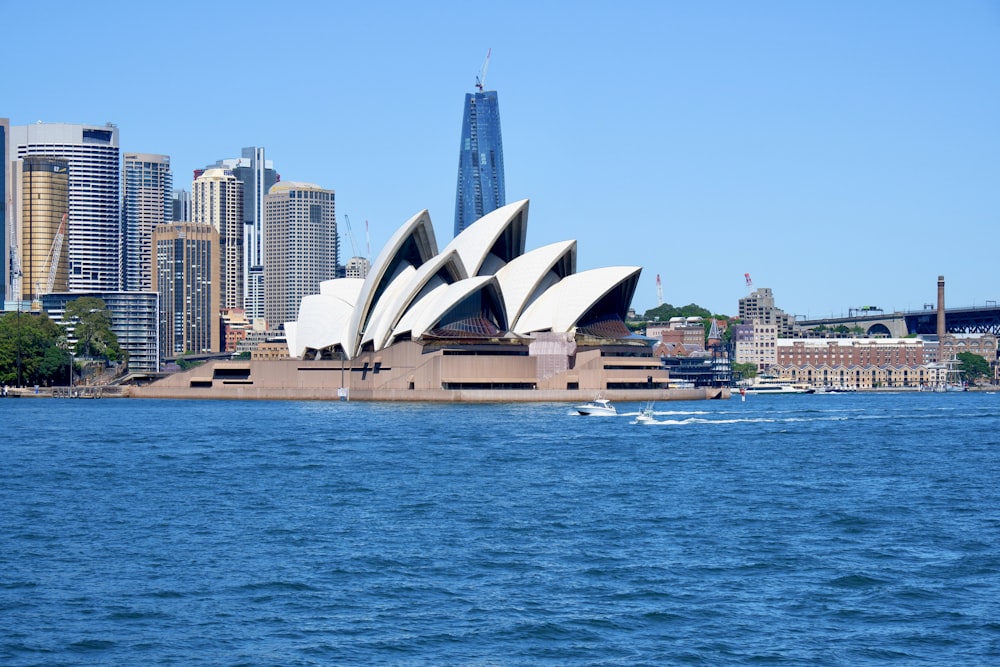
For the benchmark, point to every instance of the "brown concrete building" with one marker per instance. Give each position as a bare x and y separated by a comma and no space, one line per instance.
538,371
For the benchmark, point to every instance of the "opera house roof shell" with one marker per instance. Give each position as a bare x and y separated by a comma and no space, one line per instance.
481,286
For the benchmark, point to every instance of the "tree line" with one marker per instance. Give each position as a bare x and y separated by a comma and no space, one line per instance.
35,350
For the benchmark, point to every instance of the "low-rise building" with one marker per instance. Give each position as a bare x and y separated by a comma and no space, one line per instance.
755,343
134,321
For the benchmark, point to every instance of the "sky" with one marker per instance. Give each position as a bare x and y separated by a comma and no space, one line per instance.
843,153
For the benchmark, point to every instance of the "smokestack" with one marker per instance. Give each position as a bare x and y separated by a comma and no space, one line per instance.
940,310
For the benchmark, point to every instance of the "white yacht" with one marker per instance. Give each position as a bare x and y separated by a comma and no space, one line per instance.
599,406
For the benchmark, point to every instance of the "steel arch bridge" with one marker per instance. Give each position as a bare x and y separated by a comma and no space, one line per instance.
956,320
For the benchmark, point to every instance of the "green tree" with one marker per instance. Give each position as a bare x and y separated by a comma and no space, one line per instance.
30,352
973,367
747,370
91,322
664,312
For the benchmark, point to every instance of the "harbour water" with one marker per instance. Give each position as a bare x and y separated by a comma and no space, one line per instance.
838,529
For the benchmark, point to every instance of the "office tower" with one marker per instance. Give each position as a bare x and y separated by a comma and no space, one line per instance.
217,200
257,176
181,206
6,245
94,209
300,247
480,158
253,294
147,201
43,190
185,275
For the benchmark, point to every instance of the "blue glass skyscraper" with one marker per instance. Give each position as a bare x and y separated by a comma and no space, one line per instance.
480,160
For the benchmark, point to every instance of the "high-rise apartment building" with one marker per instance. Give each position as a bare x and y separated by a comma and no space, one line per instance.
300,247
480,159
94,225
6,244
217,200
257,176
43,190
185,275
147,201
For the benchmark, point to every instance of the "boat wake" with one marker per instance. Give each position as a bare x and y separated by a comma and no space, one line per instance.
742,420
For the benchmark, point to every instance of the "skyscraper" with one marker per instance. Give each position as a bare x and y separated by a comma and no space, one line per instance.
147,201
480,158
185,276
94,209
257,175
217,200
300,247
181,206
5,199
43,190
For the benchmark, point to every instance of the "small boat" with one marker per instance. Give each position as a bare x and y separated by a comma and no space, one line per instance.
599,406
646,415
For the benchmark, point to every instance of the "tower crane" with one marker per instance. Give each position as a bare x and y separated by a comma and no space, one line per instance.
481,79
15,261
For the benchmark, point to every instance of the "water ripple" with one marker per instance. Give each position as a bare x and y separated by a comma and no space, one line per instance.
856,529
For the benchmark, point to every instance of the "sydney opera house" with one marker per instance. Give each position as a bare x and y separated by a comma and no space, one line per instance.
481,319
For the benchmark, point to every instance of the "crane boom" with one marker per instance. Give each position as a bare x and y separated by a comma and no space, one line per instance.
481,79
368,243
350,235
55,252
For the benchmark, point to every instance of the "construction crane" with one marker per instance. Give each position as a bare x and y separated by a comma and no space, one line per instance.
55,253
481,79
350,235
659,291
15,271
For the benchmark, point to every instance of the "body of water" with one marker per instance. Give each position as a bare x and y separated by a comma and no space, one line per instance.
802,530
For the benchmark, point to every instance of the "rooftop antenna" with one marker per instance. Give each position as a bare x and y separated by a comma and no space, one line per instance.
481,79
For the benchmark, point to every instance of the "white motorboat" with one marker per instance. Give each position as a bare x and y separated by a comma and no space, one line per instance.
598,407
646,415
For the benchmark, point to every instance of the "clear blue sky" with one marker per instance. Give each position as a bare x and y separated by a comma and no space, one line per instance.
843,153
